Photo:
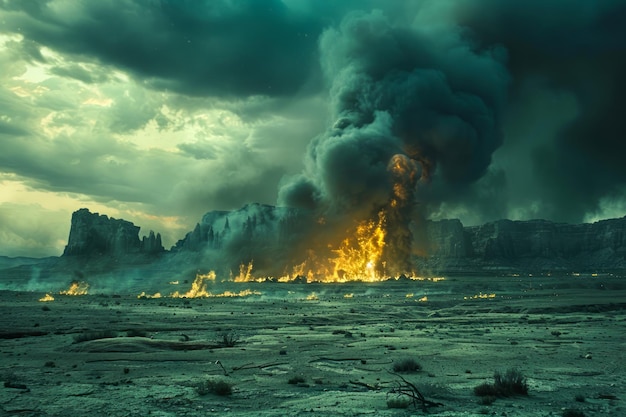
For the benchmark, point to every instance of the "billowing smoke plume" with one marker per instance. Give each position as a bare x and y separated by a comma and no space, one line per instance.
412,108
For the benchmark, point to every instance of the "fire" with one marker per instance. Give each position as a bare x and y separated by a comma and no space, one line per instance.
46,298
198,287
76,288
372,248
359,257
245,273
143,295
244,293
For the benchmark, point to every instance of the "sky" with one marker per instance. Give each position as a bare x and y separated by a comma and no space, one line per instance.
158,111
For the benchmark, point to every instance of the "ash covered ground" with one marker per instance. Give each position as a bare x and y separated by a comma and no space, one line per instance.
338,345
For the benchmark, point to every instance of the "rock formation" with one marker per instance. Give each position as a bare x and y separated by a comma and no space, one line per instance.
267,235
534,244
93,234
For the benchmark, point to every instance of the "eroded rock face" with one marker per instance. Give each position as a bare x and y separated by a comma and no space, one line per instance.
534,243
93,234
257,232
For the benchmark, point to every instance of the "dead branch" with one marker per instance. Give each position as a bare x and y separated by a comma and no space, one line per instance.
251,366
374,387
410,390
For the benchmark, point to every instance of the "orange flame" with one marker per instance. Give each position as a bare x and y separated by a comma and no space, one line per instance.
198,287
46,298
76,288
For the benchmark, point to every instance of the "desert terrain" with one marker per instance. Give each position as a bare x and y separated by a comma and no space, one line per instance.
295,349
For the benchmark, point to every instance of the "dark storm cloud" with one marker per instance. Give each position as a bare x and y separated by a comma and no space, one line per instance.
571,47
218,47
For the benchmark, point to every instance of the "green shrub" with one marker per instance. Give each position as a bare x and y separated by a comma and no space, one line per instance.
407,365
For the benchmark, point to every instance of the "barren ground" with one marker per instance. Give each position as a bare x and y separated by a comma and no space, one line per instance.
566,335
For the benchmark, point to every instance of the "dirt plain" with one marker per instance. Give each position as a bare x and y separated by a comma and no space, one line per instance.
567,335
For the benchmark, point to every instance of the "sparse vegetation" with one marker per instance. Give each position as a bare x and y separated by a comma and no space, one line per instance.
217,387
510,384
408,391
294,380
227,339
580,398
407,365
572,413
50,364
94,335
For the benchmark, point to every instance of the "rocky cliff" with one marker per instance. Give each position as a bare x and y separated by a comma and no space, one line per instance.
250,232
93,234
270,236
534,244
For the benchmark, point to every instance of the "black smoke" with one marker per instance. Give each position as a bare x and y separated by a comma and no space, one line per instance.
432,97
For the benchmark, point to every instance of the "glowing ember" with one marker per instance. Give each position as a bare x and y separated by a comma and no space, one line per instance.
423,299
76,288
46,298
409,295
312,297
349,295
244,293
143,295
480,296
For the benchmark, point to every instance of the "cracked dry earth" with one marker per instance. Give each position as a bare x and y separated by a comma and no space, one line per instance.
319,350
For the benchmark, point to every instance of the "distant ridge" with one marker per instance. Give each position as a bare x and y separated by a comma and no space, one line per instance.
262,233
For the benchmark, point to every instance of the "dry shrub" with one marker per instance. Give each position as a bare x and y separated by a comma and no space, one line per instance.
296,380
406,366
509,384
217,387
227,339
